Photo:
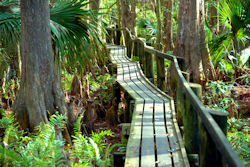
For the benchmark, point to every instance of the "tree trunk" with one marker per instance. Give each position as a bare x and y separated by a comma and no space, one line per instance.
167,30
128,11
188,38
207,65
41,89
214,17
193,58
95,4
119,16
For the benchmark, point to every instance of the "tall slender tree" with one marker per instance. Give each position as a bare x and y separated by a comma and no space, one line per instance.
167,26
207,64
159,61
128,10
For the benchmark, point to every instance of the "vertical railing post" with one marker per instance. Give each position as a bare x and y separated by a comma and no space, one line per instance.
190,122
180,106
149,65
209,155
141,55
128,103
161,84
135,53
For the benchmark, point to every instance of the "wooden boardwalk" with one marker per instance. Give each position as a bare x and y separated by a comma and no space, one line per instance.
154,135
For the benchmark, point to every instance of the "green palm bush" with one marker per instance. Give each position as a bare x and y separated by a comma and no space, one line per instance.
234,15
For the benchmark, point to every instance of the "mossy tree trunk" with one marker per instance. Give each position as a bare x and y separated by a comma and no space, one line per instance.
40,89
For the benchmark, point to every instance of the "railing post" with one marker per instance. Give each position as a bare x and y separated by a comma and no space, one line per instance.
209,155
141,56
161,84
149,66
180,106
190,122
117,39
128,103
135,53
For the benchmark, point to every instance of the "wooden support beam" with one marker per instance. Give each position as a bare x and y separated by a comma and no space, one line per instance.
149,64
209,155
141,56
190,122
161,83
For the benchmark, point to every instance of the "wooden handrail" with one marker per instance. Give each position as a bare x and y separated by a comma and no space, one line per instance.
206,115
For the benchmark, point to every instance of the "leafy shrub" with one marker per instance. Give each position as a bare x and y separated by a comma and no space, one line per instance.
238,136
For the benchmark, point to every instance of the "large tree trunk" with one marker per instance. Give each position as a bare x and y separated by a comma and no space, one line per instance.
191,40
41,89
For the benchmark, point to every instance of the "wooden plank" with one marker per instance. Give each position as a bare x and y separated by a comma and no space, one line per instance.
133,146
147,145
147,86
139,84
135,87
133,81
178,135
162,144
174,143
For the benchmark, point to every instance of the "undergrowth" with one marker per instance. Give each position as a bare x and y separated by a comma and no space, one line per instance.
44,148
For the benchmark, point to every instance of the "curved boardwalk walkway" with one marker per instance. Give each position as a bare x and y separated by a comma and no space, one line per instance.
154,136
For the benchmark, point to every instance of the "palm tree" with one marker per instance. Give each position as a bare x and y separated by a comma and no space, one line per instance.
234,14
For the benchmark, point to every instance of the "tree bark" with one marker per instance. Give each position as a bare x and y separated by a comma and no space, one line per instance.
95,4
193,58
167,38
214,17
40,89
128,11
207,64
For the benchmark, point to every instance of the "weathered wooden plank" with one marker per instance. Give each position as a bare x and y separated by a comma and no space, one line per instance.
151,88
162,144
147,145
174,143
142,135
134,86
178,134
142,86
133,146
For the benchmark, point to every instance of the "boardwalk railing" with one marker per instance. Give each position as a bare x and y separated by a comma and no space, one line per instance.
204,129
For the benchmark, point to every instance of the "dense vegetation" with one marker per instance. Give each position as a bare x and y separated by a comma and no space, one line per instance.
80,58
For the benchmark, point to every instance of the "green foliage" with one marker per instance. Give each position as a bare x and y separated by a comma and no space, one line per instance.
218,94
74,40
100,86
67,80
238,136
91,151
234,14
43,149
